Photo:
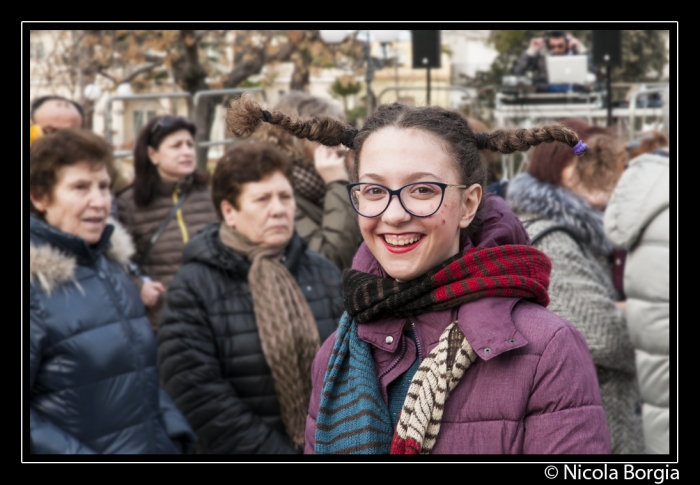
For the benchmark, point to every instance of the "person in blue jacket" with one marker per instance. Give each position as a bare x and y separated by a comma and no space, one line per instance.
94,386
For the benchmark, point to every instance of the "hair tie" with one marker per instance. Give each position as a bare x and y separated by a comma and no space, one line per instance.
348,137
482,141
579,148
267,116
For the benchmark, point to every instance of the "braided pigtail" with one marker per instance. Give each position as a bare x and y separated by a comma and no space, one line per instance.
509,141
245,116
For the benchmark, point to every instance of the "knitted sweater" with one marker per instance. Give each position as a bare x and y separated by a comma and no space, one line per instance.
581,291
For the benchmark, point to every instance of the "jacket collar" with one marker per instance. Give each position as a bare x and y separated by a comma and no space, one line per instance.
487,324
206,247
526,194
167,187
54,254
72,245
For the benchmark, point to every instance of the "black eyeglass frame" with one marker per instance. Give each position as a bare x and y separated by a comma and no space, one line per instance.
397,193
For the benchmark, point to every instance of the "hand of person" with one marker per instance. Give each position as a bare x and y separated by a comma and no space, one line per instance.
150,291
621,305
330,163
574,43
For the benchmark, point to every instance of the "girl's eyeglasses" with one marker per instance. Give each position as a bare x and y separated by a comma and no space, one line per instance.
420,199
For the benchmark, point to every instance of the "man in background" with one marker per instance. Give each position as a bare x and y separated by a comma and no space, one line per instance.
554,43
54,113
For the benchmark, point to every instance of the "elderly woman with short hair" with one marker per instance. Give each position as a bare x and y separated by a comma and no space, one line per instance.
92,362
247,312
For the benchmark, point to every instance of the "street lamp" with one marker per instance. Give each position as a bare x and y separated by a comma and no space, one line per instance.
382,36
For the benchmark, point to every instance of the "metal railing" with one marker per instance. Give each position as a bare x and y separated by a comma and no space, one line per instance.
219,92
633,110
125,97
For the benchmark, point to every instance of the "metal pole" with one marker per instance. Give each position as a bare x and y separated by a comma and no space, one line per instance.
608,87
427,96
369,75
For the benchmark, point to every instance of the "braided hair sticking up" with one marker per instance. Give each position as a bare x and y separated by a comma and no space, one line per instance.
246,115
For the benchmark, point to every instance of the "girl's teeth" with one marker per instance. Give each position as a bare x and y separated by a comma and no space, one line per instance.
400,242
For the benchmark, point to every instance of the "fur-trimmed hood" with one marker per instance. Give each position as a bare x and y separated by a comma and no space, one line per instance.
527,195
52,266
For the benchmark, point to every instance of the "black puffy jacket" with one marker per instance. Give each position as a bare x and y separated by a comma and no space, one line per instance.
93,381
209,353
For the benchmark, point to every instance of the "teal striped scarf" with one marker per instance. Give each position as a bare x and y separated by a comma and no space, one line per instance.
352,418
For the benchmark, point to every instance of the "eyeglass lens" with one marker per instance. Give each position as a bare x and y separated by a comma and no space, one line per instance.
420,199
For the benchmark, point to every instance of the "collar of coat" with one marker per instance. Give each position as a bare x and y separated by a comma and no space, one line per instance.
51,266
526,194
206,247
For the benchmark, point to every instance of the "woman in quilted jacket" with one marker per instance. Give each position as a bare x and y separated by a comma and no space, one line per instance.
93,383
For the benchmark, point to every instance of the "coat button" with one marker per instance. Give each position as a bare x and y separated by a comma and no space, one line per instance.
308,288
101,275
487,350
512,341
389,339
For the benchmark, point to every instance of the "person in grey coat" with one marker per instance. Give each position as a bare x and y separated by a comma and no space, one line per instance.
637,218
560,200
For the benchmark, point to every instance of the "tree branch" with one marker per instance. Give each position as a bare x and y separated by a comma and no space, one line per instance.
140,71
104,74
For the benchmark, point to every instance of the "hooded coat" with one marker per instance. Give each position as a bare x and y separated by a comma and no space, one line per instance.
93,380
637,218
532,389
209,351
582,291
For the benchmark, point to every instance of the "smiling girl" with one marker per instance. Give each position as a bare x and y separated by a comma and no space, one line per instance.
446,345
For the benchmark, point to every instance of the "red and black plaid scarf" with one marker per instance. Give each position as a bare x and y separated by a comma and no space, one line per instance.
508,270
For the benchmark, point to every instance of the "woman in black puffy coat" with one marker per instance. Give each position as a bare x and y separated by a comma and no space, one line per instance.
94,386
247,312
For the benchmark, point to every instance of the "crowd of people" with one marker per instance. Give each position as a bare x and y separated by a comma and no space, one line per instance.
330,289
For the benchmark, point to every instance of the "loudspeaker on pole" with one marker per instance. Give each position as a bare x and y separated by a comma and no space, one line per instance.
607,43
427,52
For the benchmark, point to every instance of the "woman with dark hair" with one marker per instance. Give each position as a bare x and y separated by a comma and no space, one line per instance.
167,203
445,345
93,385
561,201
247,312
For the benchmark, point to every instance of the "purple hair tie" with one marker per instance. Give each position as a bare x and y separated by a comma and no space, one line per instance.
579,148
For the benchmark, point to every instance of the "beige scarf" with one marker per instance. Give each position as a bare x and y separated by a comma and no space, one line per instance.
286,325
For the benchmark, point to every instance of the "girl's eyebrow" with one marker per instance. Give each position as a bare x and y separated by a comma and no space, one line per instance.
411,176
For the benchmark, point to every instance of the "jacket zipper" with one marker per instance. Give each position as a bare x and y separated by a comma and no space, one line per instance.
178,215
102,268
420,350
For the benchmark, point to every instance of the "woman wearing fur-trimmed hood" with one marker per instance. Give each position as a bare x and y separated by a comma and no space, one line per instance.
93,381
560,200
